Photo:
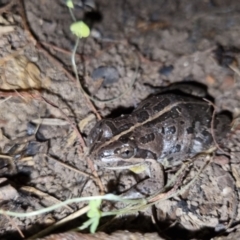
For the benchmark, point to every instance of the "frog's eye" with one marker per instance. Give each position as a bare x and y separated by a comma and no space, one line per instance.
127,152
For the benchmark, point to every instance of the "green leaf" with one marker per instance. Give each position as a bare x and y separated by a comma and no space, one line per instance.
94,213
94,225
87,224
94,208
95,203
69,4
80,29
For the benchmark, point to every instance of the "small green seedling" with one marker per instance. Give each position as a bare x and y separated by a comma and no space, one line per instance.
94,215
80,29
69,4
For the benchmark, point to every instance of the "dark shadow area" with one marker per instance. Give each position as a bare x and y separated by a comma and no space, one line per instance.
90,18
120,111
165,229
185,87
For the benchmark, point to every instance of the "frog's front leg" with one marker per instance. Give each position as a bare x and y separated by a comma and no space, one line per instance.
149,186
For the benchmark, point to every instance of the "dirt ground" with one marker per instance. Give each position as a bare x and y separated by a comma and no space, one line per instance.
149,43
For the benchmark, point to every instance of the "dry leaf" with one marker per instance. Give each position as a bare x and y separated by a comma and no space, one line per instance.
236,175
28,161
20,73
85,121
5,26
6,29
50,121
6,22
236,124
49,200
71,139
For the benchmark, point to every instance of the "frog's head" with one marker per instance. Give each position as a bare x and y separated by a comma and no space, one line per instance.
111,148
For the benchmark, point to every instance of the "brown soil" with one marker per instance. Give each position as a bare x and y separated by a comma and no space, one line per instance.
41,165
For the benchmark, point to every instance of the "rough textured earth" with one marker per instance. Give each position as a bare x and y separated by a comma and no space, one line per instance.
150,43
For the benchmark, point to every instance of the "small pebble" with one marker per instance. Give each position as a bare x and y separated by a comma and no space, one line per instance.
228,82
31,128
210,80
33,148
109,75
89,4
166,70
221,160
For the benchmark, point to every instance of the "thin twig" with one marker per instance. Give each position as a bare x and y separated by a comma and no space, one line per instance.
43,195
70,167
235,69
62,50
6,99
95,174
48,55
23,93
90,164
73,125
15,225
60,223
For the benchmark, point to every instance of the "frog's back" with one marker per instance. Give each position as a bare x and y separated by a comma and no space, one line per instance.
173,126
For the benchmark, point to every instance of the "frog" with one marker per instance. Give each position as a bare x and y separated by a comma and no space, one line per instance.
162,131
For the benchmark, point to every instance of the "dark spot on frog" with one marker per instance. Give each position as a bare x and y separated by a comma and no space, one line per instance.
147,105
162,118
142,116
205,133
177,148
175,112
147,138
207,137
161,105
125,138
170,130
142,153
163,130
190,130
170,159
182,122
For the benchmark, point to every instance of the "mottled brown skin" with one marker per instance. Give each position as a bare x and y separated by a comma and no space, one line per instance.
165,129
